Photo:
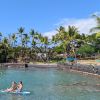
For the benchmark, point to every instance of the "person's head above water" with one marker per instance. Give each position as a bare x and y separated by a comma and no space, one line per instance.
13,82
14,85
20,82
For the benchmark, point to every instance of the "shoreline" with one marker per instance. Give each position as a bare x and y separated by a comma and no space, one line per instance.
85,73
89,62
81,68
23,65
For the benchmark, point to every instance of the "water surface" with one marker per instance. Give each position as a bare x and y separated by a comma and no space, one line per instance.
50,84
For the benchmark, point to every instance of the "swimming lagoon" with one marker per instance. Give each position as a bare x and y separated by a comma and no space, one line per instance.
50,84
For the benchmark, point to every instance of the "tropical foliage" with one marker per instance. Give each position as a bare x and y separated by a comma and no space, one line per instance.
33,46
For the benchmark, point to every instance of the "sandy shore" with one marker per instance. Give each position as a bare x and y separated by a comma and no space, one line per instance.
88,62
83,62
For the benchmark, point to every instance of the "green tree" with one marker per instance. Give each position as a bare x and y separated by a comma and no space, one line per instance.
86,50
20,32
14,41
25,44
0,37
5,48
97,28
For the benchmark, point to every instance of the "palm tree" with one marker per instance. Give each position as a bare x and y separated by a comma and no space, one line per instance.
72,33
60,34
14,41
5,46
20,32
45,43
66,36
32,33
0,36
25,43
97,28
34,42
26,39
54,40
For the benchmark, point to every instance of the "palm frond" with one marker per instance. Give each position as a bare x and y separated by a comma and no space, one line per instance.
95,29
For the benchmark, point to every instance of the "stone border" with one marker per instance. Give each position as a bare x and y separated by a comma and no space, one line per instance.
26,65
85,69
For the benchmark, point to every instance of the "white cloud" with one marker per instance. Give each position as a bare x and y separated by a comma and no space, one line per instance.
96,13
50,33
83,25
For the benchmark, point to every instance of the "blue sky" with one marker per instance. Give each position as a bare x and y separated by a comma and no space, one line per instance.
43,15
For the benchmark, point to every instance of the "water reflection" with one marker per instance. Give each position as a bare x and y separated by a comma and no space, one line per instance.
16,97
2,71
82,86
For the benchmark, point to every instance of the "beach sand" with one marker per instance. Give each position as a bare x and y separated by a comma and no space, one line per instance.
88,62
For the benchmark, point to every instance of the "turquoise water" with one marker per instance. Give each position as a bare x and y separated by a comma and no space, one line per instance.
50,84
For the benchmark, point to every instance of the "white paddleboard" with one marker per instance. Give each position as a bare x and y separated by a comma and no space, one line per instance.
22,93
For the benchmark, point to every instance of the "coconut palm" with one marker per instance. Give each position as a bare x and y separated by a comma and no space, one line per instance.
66,36
33,43
54,41
72,32
26,39
20,32
44,44
14,41
32,33
0,37
60,34
97,28
35,36
25,44
5,47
